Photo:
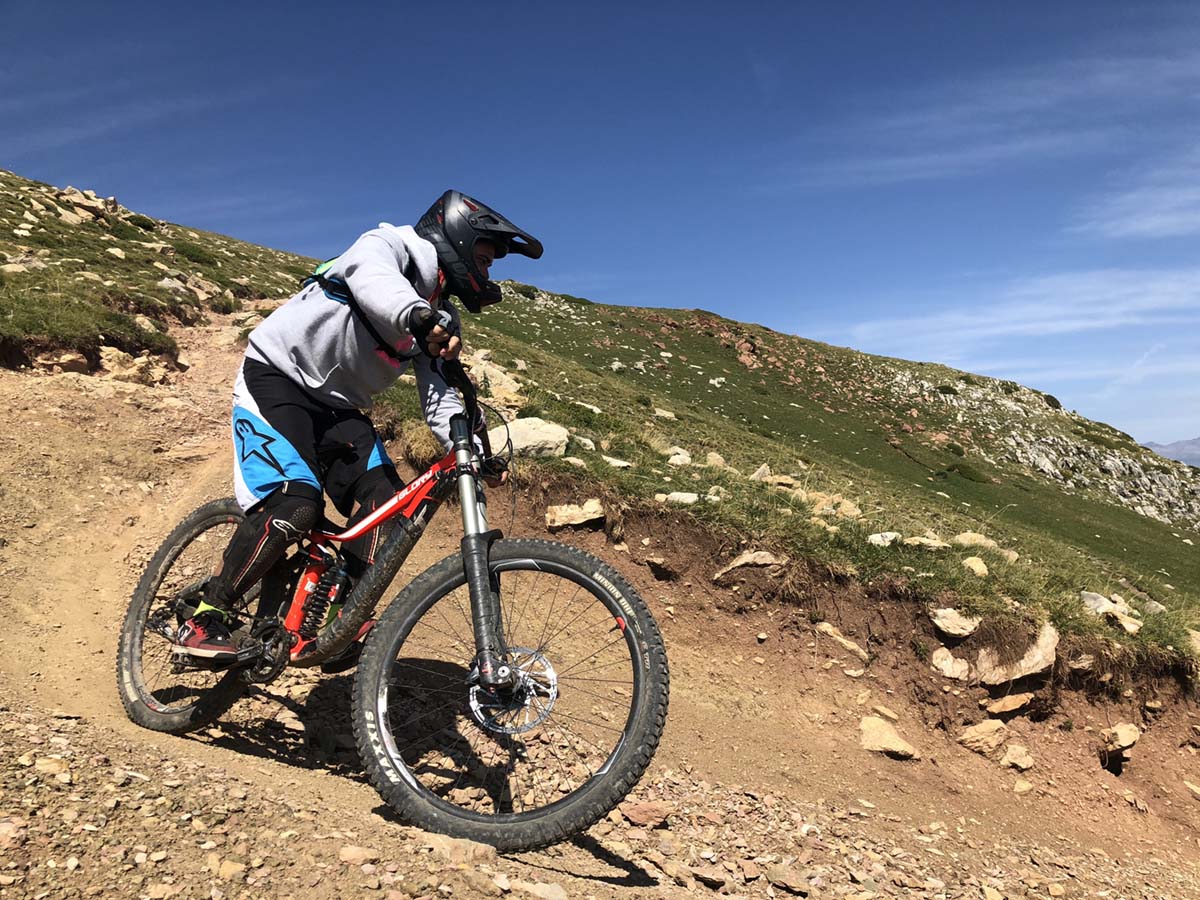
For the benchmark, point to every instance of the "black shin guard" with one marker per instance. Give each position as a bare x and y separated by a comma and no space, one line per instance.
270,527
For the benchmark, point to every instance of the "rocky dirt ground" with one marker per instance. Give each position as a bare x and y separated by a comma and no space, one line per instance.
761,787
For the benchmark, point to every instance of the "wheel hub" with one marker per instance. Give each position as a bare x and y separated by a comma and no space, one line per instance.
524,706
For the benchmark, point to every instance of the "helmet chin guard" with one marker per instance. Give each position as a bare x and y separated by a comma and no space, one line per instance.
453,225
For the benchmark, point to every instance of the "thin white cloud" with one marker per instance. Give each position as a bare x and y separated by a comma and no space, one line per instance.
1156,202
1114,374
951,161
73,126
1065,304
1052,111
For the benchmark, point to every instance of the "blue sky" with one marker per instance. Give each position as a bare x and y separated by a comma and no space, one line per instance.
1012,189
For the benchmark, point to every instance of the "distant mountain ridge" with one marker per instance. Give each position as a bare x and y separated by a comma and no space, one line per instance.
1183,451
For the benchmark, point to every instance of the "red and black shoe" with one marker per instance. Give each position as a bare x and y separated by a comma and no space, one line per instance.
206,636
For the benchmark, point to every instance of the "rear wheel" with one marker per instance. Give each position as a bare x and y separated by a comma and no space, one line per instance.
533,765
157,691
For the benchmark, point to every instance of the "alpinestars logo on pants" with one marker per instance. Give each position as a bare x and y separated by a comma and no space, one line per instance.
253,443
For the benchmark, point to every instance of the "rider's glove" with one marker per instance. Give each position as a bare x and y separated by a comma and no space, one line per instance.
493,467
422,320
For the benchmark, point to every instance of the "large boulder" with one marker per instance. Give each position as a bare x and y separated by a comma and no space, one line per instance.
1037,659
532,437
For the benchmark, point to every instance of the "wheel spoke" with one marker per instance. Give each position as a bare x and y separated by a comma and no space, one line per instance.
523,748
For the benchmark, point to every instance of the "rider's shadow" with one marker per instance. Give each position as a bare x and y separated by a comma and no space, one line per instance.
313,732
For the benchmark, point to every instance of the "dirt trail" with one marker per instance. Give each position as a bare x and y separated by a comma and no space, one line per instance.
760,766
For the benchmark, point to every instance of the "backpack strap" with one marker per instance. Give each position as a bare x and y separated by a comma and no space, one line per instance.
339,290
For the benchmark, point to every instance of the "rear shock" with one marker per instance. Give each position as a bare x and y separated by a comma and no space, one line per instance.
321,586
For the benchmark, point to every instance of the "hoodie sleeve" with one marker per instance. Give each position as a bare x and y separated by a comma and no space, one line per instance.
374,270
439,401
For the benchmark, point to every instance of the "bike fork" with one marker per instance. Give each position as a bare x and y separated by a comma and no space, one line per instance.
490,650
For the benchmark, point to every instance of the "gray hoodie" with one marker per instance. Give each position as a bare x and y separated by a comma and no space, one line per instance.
318,342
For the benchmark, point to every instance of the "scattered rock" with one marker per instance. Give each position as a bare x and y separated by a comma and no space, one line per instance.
663,413
677,456
1194,789
574,514
646,813
711,875
786,878
926,543
533,437
842,641
986,738
357,856
1017,757
682,498
544,891
879,736
1120,737
1008,704
755,559
761,473
715,460
975,566
952,622
1037,659
847,509
950,666
885,712
458,850
1022,786
883,538
973,539
230,869
616,463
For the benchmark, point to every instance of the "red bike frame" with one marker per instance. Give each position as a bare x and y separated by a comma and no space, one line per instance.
404,502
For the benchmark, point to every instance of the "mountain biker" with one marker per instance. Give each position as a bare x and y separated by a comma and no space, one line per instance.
311,368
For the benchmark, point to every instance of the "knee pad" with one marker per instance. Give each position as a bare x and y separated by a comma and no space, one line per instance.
292,510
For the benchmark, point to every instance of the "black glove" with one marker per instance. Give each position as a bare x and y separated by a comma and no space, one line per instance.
493,467
422,320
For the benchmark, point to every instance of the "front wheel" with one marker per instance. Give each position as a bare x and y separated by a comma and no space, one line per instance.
539,762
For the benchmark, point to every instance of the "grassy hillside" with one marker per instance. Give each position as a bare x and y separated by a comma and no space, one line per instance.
79,272
856,444
920,449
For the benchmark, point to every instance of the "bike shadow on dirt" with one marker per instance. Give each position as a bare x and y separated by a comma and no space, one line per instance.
302,724
552,859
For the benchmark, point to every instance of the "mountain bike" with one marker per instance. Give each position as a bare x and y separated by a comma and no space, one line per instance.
513,693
